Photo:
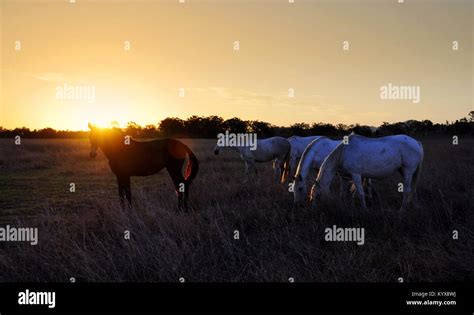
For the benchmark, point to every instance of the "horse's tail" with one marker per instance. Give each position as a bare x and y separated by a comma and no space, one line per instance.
286,167
190,166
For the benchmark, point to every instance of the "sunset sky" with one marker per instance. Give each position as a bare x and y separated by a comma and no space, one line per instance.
176,47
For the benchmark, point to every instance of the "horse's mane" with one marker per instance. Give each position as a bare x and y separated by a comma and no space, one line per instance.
330,165
115,131
114,134
111,140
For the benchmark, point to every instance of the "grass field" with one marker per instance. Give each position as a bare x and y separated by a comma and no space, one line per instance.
81,233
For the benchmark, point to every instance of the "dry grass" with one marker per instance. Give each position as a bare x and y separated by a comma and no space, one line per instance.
82,233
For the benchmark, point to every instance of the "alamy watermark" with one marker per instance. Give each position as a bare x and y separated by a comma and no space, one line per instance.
13,234
337,234
400,92
229,139
75,92
28,297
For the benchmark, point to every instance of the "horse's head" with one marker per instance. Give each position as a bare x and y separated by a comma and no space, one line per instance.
318,191
300,190
94,140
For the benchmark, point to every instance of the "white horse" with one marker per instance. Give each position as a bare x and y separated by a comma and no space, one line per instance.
375,158
310,162
274,148
298,145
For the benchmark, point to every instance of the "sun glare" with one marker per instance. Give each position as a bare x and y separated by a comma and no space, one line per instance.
105,122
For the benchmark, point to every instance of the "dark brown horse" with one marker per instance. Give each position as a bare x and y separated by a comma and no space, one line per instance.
128,157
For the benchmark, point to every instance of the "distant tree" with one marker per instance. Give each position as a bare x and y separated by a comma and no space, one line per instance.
461,126
342,128
427,124
235,125
46,133
322,129
150,131
193,126
263,129
23,132
471,116
300,129
203,127
361,130
114,124
133,129
392,129
172,127
212,125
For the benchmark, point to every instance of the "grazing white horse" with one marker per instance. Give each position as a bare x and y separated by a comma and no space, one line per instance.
298,145
310,162
274,148
375,158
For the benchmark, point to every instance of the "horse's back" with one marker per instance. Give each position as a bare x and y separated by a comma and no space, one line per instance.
299,144
317,151
274,142
270,148
148,157
401,143
379,156
294,140
324,146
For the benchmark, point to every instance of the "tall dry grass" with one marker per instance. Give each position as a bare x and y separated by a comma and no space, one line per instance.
82,233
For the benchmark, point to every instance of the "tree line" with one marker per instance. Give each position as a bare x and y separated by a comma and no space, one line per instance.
210,126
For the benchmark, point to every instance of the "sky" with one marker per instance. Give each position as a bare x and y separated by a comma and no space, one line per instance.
267,60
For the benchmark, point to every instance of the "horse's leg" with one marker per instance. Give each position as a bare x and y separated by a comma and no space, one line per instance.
246,171
312,197
292,167
125,191
180,199
256,172
343,188
277,169
174,169
414,183
282,170
250,166
368,187
360,189
407,177
121,192
185,196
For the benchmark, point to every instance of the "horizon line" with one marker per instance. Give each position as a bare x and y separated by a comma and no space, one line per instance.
271,124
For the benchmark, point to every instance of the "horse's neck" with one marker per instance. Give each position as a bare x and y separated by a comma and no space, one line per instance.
330,166
307,163
108,151
111,147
